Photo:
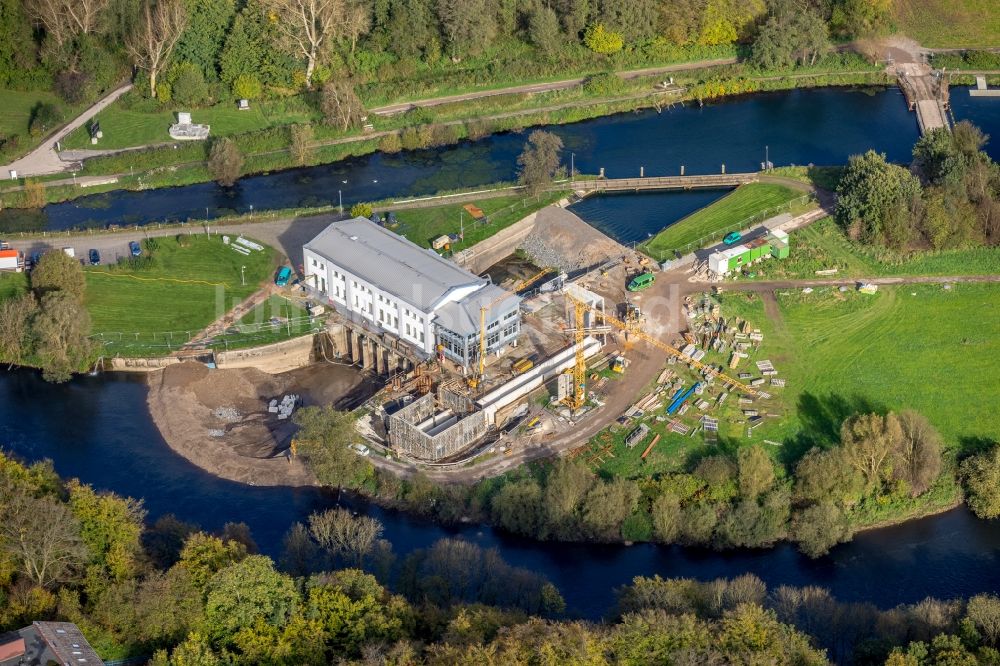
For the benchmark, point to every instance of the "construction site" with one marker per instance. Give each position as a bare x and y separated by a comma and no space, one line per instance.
587,346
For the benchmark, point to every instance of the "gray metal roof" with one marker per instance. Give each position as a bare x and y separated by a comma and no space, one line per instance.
462,316
409,272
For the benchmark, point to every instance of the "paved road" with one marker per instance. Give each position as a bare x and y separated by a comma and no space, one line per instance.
402,107
44,159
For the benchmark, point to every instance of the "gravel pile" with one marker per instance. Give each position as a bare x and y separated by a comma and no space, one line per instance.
230,414
542,254
214,432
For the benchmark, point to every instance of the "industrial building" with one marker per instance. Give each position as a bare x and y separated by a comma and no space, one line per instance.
774,244
383,281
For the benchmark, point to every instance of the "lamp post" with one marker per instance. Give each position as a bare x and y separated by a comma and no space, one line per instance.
251,211
340,202
572,167
243,277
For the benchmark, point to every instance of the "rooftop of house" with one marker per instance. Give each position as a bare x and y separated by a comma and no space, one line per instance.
395,265
463,316
44,643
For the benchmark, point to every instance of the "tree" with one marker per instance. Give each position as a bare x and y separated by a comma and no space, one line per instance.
16,314
61,330
57,271
307,27
34,194
357,21
362,209
300,143
981,473
917,457
518,507
634,20
324,442
187,84
666,514
245,593
111,527
225,162
65,19
565,487
340,105
793,32
299,552
41,536
871,192
984,612
203,556
756,471
543,29
819,528
607,505
539,161
868,440
825,476
345,535
468,25
156,35
599,39
205,33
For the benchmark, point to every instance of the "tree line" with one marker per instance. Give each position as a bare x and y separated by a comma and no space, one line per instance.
882,467
948,198
183,597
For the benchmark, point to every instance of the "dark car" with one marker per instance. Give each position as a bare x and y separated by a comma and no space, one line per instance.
95,258
391,220
134,248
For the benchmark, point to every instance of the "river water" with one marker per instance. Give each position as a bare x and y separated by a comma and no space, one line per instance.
819,126
98,430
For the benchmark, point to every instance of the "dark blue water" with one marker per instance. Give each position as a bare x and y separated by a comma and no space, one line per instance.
98,430
633,217
819,126
981,111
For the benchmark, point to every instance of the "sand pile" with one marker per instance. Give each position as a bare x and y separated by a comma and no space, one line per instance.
218,419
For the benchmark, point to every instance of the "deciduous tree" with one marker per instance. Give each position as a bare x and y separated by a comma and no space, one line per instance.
756,471
340,105
344,535
819,528
61,330
539,161
307,27
868,441
324,443
225,162
917,456
16,314
981,473
247,592
41,536
301,138
65,19
154,38
57,271
871,193
468,25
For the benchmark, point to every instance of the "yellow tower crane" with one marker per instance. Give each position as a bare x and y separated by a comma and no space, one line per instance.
580,368
475,381
642,335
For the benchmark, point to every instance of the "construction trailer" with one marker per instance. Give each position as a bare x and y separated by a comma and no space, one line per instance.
774,244
11,260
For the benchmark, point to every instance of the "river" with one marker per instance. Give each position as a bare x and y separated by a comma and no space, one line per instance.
97,429
818,126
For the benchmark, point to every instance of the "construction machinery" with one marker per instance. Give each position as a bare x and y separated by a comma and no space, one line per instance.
527,282
476,380
708,370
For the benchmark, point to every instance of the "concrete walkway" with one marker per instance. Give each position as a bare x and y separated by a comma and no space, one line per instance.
44,159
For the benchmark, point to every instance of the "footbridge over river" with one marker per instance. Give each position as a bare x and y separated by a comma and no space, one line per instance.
664,183
926,93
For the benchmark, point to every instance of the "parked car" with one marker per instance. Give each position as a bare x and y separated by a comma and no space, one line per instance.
732,237
134,248
35,258
283,276
95,258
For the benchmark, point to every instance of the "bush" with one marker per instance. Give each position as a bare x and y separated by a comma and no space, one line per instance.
247,86
604,85
164,92
44,118
601,40
225,162
390,143
72,86
151,245
361,210
188,84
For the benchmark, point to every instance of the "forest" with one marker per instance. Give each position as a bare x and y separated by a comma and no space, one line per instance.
174,595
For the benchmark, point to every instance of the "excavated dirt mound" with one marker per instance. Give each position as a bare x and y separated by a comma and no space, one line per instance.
562,239
218,419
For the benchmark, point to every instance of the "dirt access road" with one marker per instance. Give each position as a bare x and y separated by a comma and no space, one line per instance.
403,107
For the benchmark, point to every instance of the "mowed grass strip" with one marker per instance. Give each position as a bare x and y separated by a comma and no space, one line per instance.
188,285
423,225
722,216
17,110
950,23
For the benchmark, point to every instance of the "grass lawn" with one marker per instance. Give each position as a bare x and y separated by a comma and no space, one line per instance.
922,347
12,284
423,225
747,204
274,320
822,245
16,114
125,127
185,288
950,23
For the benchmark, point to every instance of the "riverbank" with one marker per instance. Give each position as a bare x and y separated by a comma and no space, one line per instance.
169,166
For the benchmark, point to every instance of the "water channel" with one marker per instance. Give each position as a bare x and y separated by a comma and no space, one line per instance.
98,428
820,126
